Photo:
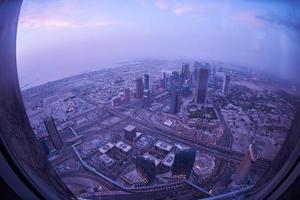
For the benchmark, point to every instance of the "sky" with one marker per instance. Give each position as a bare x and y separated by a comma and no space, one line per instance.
59,38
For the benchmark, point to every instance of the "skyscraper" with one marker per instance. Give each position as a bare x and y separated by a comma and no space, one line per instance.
185,72
185,89
127,95
147,98
196,70
214,70
175,79
164,80
175,101
147,82
145,168
139,88
201,87
53,133
184,162
226,84
246,164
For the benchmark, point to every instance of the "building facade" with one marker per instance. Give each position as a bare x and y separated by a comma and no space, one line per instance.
183,163
139,88
201,87
127,95
130,132
145,169
146,82
226,84
175,100
185,72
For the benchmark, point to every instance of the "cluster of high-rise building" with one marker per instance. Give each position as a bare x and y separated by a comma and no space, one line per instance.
180,85
180,162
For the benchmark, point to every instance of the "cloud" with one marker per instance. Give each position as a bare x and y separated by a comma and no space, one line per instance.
43,22
161,4
142,3
62,14
249,18
182,10
292,22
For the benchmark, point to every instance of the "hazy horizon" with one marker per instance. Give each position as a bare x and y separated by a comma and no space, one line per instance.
61,38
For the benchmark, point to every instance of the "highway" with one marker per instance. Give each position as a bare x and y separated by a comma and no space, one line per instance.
93,177
227,132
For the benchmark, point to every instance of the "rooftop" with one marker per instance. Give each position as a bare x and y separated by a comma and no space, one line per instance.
168,123
130,128
163,145
150,157
181,147
133,177
124,147
138,134
106,147
108,161
169,159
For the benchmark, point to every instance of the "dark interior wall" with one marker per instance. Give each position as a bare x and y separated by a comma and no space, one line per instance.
6,191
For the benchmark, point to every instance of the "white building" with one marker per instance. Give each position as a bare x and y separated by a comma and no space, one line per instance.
162,147
106,160
123,147
150,157
169,160
106,147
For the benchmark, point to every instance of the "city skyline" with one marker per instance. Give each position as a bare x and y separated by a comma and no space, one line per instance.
193,133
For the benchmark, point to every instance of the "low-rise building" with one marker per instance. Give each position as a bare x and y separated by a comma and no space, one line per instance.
168,123
116,101
162,147
106,160
168,160
157,161
123,148
106,147
130,132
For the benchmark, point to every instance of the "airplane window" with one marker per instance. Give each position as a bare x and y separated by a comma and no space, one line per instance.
160,99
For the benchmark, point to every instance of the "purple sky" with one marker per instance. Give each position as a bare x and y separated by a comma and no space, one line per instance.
59,38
